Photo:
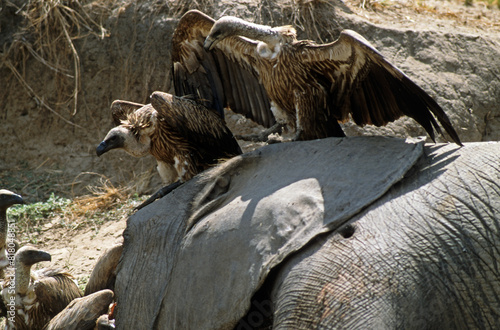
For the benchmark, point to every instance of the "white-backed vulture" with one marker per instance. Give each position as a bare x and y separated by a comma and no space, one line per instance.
82,313
310,87
34,298
184,136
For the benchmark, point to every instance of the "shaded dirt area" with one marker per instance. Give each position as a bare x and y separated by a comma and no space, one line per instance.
58,81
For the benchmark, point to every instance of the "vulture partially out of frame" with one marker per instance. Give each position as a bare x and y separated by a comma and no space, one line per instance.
7,199
256,69
39,295
183,135
83,313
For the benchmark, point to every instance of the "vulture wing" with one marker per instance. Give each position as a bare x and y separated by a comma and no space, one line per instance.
103,275
82,313
201,130
362,84
120,110
57,288
223,77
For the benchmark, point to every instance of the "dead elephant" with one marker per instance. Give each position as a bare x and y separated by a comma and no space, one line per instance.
361,232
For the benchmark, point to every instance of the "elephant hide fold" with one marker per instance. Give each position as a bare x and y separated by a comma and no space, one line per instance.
193,259
424,256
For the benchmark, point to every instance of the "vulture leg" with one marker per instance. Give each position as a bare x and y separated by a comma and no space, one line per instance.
159,194
263,136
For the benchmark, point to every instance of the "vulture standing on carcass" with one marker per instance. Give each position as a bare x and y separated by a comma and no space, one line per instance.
39,295
310,87
184,136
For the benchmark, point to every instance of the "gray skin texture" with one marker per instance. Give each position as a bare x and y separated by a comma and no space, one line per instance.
425,256
275,225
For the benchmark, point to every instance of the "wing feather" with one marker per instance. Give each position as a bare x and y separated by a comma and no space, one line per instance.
224,77
121,109
203,131
370,89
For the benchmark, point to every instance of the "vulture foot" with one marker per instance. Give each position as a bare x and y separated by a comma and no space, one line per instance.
159,194
263,136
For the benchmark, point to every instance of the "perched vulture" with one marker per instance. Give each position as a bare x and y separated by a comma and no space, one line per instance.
7,199
184,136
310,87
82,313
38,296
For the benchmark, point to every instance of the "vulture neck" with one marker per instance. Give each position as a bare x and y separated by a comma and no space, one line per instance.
271,39
3,227
23,278
259,32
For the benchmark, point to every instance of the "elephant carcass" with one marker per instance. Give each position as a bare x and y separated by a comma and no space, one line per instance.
424,256
195,258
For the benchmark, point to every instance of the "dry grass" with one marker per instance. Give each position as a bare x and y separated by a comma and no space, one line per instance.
48,32
101,198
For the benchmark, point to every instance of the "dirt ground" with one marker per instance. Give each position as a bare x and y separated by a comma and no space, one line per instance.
78,250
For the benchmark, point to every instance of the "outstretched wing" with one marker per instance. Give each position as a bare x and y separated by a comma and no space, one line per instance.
196,129
367,87
223,77
121,109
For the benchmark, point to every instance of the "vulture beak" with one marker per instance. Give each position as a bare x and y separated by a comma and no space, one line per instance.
102,148
209,43
40,256
16,199
29,255
8,198
113,140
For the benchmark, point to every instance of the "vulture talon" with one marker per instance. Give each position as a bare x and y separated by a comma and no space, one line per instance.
262,136
159,194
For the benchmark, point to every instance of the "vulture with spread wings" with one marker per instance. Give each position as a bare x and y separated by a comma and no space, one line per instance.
268,75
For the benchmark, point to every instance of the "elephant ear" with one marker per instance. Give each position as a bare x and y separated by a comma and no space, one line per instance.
195,258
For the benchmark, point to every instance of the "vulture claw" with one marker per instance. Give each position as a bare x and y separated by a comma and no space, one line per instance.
159,194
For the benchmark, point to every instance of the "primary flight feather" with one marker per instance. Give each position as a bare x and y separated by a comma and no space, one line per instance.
267,74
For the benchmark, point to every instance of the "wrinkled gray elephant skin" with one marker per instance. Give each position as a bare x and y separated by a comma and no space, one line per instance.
424,256
193,259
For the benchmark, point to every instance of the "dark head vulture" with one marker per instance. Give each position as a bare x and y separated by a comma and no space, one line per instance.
255,69
38,295
7,199
183,135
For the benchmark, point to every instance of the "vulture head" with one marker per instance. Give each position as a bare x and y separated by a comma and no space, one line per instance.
270,38
132,134
225,27
7,199
26,257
